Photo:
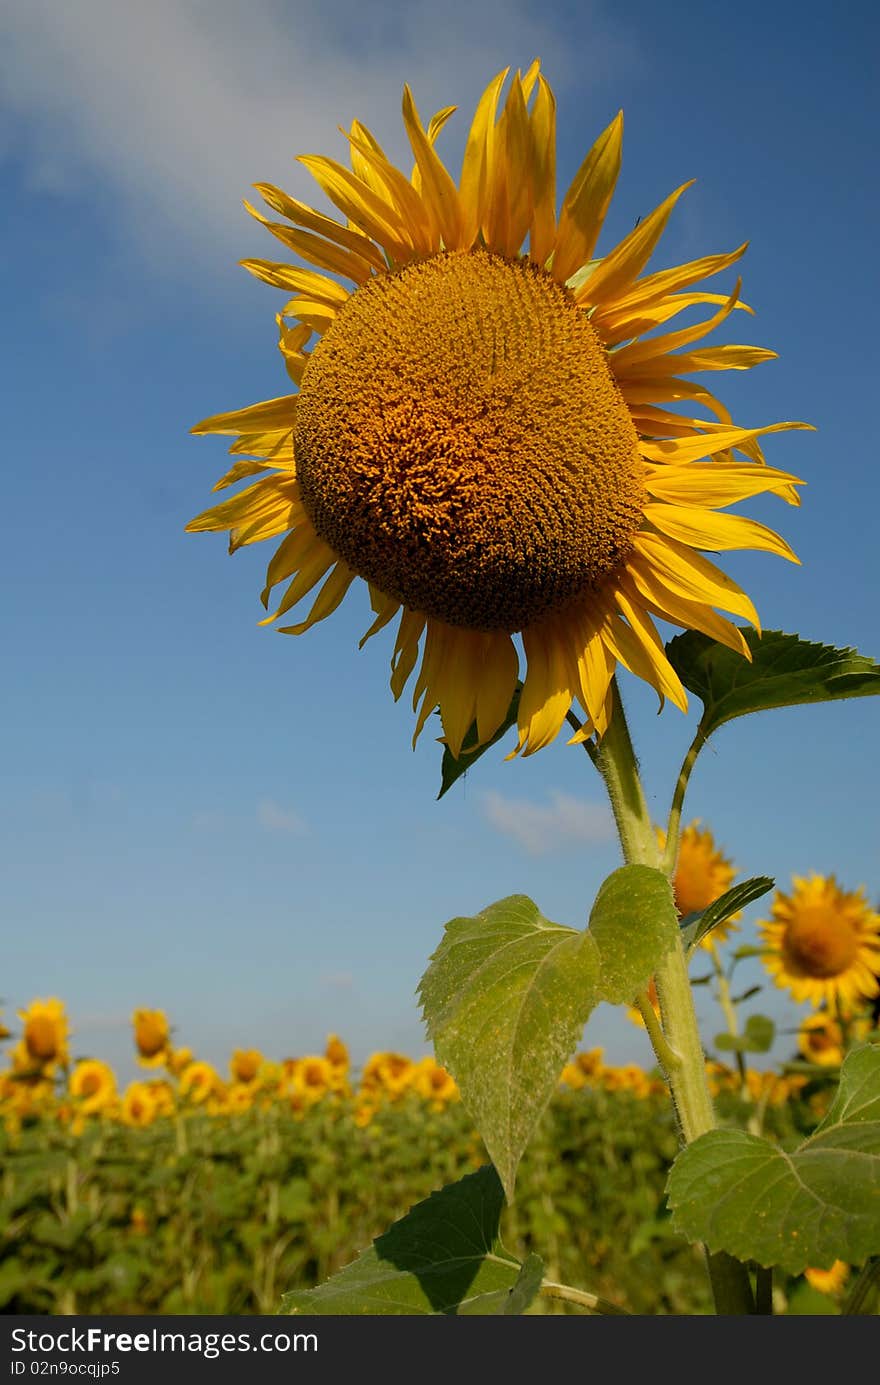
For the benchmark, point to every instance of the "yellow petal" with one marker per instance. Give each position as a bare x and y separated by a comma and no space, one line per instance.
398,193
586,203
277,413
406,649
495,684
640,649
296,280
701,528
716,484
478,160
302,215
328,599
439,193
385,607
238,472
289,556
324,253
360,204
620,267
664,281
623,326
542,232
693,576
642,351
266,497
546,694
680,451
708,358
315,562
670,606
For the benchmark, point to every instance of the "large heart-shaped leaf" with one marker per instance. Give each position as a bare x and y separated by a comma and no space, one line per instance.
821,1203
444,1257
505,1000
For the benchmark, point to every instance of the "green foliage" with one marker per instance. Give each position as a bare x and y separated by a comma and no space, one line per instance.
785,671
819,1203
633,922
505,999
453,768
757,1036
261,1203
697,926
444,1257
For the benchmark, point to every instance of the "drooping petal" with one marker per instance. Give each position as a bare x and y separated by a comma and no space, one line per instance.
619,268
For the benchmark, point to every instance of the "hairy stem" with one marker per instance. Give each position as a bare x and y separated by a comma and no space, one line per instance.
591,1302
673,828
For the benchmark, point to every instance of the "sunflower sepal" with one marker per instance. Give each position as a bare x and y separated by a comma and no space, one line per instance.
453,767
741,1194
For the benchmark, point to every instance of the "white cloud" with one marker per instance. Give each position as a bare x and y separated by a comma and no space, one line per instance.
180,105
539,829
277,819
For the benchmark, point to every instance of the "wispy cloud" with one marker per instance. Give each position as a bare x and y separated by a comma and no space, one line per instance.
277,819
539,829
180,105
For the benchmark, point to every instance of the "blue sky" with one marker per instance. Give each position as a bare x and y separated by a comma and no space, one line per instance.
201,815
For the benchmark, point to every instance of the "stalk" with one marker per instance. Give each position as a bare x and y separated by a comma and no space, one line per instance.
686,1076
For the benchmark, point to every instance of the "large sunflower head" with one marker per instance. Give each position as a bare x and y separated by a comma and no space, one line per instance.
481,428
45,1031
822,943
93,1085
152,1037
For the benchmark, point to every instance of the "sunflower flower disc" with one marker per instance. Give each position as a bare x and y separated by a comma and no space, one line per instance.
488,429
462,443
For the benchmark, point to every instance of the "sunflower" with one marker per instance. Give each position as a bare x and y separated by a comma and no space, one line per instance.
336,1052
139,1106
315,1076
199,1082
245,1064
481,430
823,943
93,1084
44,1037
702,874
435,1084
152,1037
391,1073
823,1039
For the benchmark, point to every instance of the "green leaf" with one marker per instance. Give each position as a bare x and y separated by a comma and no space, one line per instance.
695,927
785,671
505,999
452,768
757,1036
525,1289
821,1203
443,1257
634,922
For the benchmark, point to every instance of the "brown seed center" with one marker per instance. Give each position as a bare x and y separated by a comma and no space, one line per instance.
461,442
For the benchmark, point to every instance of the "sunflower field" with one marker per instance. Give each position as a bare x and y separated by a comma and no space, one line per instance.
199,1191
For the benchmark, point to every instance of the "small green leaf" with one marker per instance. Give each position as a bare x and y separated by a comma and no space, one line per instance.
526,1287
785,671
757,1036
443,1257
821,1203
452,768
696,926
634,922
505,999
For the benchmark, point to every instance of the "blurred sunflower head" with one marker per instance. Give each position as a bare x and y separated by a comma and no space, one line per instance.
702,874
245,1064
485,431
152,1037
199,1082
435,1084
44,1034
139,1106
93,1085
176,1059
336,1052
822,943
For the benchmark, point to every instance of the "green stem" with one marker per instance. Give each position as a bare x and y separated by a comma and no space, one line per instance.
664,1053
764,1291
686,1077
592,1302
673,829
725,1000
860,1300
